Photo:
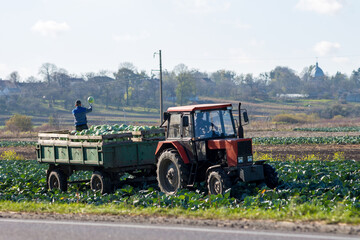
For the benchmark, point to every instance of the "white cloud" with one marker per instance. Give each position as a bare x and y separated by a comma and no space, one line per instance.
320,6
50,28
131,37
324,48
340,59
203,6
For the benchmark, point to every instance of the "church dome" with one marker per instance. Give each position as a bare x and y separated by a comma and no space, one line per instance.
317,72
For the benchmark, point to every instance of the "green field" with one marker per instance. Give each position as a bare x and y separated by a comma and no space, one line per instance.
310,190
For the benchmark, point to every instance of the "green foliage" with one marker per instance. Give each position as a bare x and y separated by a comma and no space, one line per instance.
307,140
16,143
329,129
309,189
186,87
295,118
19,123
284,80
98,130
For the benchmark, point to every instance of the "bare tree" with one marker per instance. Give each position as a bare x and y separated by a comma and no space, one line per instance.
32,79
47,70
128,65
14,77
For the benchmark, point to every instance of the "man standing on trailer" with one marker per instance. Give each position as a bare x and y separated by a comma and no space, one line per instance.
79,113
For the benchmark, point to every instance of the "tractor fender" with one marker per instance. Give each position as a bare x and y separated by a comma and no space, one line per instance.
212,168
175,145
260,162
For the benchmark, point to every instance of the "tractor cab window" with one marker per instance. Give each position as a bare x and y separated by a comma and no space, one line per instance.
215,123
228,122
187,133
174,126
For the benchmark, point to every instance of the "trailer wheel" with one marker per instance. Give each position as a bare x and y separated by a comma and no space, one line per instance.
101,182
271,177
218,182
57,180
172,173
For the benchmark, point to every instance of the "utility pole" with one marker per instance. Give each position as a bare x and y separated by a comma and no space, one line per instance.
161,94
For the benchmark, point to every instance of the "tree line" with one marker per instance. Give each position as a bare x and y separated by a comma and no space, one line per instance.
128,87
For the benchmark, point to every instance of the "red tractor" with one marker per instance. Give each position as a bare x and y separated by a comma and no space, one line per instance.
205,143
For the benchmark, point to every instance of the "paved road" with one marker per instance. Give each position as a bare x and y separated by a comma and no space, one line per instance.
13,229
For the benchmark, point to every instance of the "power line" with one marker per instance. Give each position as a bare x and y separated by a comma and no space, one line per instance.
264,59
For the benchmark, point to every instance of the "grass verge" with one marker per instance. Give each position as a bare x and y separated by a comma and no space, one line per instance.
303,212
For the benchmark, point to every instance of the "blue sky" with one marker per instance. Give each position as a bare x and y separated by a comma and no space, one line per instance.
239,35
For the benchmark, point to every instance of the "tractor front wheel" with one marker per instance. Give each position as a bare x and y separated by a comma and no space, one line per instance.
172,173
271,177
218,182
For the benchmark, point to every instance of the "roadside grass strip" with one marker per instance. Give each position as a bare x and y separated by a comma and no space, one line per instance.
310,190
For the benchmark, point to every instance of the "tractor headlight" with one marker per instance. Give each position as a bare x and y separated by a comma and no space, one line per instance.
240,159
250,158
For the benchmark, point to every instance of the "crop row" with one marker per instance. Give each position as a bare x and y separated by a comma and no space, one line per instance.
329,129
324,184
256,140
17,143
307,140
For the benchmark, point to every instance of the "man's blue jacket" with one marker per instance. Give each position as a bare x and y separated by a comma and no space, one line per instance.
80,115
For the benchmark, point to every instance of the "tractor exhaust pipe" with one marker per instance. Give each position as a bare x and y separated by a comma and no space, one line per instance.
240,128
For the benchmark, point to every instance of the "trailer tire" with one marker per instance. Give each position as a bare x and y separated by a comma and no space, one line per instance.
172,173
271,177
218,182
57,180
101,182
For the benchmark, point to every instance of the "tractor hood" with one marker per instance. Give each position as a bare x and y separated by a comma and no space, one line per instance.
237,150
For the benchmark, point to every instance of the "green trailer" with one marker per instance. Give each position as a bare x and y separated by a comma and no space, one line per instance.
107,156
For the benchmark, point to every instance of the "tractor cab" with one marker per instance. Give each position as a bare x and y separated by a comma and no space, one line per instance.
201,122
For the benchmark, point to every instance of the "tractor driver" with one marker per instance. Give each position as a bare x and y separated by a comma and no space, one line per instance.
79,113
202,126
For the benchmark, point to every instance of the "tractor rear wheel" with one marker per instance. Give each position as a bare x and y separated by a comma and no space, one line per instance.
218,182
101,182
57,180
172,173
271,177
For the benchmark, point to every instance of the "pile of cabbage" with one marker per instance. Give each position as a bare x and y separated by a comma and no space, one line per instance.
99,130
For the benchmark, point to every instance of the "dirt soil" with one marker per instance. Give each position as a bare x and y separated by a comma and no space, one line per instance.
279,151
322,151
309,227
27,152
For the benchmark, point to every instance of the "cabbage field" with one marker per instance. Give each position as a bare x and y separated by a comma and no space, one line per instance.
255,140
306,140
329,129
17,143
309,190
